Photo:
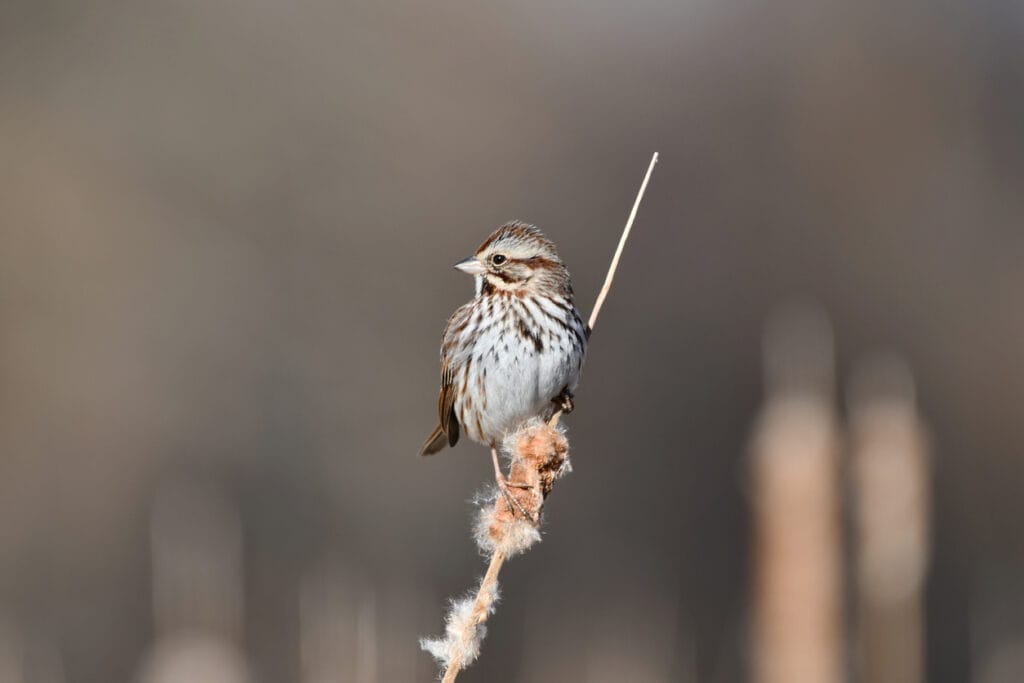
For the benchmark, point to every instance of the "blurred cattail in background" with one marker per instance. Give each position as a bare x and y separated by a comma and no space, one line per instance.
27,660
795,469
890,476
196,542
338,628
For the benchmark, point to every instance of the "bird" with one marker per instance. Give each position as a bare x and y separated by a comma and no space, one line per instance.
514,351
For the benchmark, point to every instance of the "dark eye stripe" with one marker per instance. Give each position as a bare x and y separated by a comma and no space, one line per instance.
541,262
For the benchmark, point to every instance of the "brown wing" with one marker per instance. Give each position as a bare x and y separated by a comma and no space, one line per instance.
446,404
448,430
446,433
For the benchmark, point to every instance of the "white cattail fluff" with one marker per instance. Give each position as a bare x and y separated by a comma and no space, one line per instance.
516,537
464,628
504,528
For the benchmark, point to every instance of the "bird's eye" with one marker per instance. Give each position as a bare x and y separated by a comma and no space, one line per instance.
498,259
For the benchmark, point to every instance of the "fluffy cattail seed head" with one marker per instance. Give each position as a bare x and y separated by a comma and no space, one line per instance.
540,455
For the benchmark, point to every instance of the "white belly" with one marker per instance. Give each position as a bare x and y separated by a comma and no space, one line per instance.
515,381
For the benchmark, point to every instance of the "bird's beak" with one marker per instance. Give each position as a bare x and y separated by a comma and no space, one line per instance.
471,265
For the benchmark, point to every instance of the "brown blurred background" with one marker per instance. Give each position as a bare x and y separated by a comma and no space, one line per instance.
226,231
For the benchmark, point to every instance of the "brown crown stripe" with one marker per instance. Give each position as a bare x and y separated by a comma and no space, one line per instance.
517,231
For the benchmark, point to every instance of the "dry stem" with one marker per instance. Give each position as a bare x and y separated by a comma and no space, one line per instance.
618,251
538,465
481,607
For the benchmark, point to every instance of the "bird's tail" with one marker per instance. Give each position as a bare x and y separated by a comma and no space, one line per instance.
435,442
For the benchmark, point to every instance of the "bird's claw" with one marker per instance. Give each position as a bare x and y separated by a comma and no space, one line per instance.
503,486
563,401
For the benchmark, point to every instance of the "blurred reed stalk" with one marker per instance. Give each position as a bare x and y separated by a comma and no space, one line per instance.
27,658
890,468
795,471
539,453
196,550
339,627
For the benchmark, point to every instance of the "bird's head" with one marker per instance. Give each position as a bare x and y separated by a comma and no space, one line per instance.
519,259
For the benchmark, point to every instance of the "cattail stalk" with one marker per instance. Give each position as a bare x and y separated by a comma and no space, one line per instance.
890,477
622,244
483,605
795,467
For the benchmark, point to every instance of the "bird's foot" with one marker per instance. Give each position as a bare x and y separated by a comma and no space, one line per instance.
563,401
505,487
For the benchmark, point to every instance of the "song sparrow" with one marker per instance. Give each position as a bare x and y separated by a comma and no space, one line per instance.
513,352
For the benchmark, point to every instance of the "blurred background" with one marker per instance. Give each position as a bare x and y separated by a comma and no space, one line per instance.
226,237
